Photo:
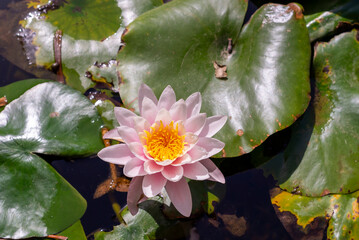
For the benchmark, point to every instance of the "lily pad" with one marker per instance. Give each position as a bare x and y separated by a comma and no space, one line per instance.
322,156
96,40
183,43
15,90
333,216
54,119
87,19
324,24
74,232
148,223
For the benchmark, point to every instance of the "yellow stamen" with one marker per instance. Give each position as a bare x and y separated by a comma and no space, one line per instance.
164,142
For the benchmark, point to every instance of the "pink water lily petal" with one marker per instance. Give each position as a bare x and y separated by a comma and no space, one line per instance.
181,129
180,196
153,184
151,167
117,154
128,135
112,134
140,124
193,103
197,153
145,91
195,123
191,138
149,110
164,116
134,168
164,162
214,172
178,111
213,125
124,116
137,150
167,98
212,145
186,158
195,171
134,194
173,173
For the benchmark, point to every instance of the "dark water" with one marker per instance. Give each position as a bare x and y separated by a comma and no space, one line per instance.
247,193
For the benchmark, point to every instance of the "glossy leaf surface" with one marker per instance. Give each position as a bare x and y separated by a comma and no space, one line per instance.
182,42
323,152
324,24
50,118
336,216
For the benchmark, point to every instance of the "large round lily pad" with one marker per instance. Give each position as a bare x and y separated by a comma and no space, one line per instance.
54,119
189,44
323,154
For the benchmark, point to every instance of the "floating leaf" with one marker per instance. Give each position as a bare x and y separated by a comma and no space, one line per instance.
308,218
74,232
267,64
148,223
323,152
310,7
97,40
87,19
327,23
16,89
54,119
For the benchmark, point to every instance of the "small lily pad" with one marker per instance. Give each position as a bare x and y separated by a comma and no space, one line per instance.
325,24
334,216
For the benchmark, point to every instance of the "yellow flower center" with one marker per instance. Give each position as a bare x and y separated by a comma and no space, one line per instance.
164,142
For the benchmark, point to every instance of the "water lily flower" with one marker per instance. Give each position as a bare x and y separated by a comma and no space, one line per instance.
169,142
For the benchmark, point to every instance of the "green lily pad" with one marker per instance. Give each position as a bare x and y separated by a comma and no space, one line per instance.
54,119
87,19
74,232
148,223
323,152
308,218
97,40
327,23
16,89
310,7
182,42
